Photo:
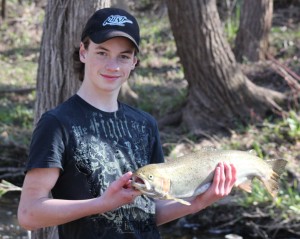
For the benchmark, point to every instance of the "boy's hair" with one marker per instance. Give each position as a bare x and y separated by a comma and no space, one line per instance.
78,65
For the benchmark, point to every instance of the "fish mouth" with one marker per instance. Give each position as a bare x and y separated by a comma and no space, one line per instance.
142,185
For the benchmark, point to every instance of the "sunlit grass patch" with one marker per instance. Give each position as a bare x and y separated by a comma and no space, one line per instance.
17,74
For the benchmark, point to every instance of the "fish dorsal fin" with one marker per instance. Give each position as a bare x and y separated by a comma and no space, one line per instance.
246,186
278,165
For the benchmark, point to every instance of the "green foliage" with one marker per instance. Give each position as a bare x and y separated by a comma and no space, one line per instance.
26,17
6,186
258,195
288,128
158,98
293,124
285,40
258,149
18,73
288,199
284,206
20,115
231,25
158,79
273,135
20,36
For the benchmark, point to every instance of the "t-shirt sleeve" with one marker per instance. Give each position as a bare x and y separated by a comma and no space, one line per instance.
47,144
157,151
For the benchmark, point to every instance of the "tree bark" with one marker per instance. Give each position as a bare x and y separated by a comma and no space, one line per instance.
219,95
255,23
3,9
56,79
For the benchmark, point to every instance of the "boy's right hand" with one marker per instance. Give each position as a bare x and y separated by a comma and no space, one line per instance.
120,192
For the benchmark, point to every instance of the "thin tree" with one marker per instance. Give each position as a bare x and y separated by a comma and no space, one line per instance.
3,9
252,41
56,79
219,94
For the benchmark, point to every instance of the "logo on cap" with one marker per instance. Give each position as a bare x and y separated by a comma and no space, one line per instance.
116,20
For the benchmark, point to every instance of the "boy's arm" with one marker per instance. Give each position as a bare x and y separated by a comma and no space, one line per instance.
224,179
37,210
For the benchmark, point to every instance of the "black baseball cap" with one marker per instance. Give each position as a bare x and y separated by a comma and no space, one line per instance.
107,23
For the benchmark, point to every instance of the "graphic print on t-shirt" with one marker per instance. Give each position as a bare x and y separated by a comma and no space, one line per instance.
106,149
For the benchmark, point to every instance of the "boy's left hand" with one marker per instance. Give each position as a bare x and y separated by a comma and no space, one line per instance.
224,179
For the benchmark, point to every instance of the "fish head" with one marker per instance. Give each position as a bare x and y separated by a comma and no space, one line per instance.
150,182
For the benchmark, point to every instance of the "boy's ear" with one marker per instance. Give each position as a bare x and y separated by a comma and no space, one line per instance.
135,63
82,53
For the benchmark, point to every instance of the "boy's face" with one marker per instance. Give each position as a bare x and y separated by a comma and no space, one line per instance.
108,64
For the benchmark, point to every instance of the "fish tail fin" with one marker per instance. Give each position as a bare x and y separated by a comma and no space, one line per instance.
271,183
246,186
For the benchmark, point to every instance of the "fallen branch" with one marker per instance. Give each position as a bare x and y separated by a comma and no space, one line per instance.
292,79
18,91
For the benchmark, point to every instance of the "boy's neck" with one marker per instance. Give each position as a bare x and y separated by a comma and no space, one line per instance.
107,103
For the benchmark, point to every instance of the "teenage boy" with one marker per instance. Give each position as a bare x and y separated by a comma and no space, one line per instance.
85,150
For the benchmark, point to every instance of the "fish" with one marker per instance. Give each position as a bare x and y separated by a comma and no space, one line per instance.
190,175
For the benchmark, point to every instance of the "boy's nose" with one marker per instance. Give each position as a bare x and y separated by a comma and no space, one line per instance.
112,65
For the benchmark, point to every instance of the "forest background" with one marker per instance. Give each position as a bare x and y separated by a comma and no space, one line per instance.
159,86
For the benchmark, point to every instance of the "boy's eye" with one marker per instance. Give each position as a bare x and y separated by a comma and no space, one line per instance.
101,53
125,57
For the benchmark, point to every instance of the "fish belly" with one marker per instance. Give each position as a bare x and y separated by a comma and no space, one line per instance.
190,181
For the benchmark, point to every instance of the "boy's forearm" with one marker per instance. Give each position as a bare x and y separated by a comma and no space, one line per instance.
167,211
51,212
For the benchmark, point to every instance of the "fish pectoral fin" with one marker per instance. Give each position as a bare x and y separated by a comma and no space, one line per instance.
246,186
169,197
182,201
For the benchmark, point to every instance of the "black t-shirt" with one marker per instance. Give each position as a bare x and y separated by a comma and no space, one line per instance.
93,148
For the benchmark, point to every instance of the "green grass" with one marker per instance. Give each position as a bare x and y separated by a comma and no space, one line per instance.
286,205
274,138
18,74
159,78
20,37
285,41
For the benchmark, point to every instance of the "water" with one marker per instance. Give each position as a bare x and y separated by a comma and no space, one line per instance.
9,227
184,230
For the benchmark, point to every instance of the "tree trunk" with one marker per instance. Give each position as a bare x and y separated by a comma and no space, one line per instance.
255,23
3,9
219,94
56,79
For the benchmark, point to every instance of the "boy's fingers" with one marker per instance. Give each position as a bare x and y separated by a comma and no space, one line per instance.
228,181
126,177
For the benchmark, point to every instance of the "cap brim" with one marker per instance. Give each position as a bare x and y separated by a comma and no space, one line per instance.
99,37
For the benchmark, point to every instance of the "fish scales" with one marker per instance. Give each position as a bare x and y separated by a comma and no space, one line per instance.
190,175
